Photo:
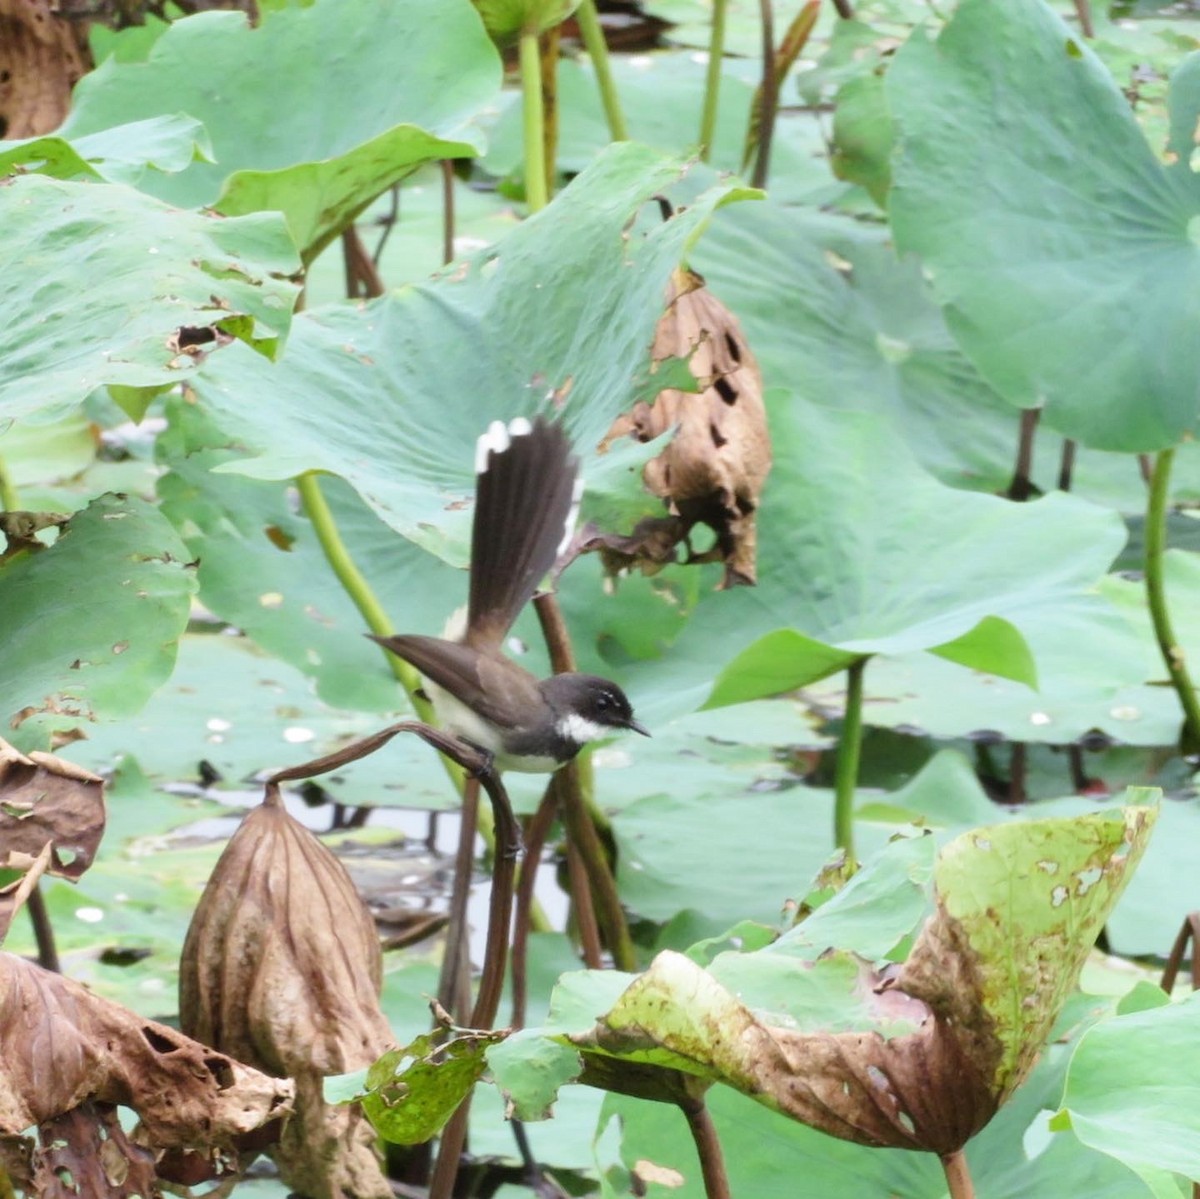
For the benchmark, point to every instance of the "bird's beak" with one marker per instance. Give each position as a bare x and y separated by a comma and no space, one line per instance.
637,727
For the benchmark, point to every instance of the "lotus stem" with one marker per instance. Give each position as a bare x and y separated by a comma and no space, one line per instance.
958,1177
849,750
354,582
9,500
708,1148
536,193
712,80
597,51
447,211
1156,596
770,98
43,930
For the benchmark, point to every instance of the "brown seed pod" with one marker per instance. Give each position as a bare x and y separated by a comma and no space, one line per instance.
281,967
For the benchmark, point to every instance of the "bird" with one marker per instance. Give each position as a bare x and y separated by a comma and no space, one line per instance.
526,502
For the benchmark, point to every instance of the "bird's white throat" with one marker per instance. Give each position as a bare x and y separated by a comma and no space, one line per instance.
579,730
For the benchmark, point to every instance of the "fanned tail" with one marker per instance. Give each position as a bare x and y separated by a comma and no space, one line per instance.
525,506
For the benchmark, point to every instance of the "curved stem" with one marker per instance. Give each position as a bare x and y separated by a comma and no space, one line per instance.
597,51
849,748
536,195
1156,596
708,1148
958,1177
712,79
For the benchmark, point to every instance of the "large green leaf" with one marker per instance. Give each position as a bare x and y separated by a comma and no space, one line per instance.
1065,254
263,571
1132,1091
832,314
314,112
393,395
861,552
91,624
159,270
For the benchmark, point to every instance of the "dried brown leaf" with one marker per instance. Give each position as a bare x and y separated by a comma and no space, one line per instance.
282,967
85,1152
16,893
60,1045
714,468
46,800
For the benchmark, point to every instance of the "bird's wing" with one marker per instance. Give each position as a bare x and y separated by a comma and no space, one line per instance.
493,689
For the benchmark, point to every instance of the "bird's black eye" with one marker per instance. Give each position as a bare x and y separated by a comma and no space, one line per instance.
604,700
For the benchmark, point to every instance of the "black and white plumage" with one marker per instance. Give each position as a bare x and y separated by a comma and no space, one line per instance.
527,499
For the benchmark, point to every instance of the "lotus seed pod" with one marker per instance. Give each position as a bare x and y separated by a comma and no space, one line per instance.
281,967
506,20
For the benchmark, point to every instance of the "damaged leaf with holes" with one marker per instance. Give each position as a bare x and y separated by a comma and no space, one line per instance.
410,1093
91,623
51,821
282,969
713,469
62,1048
913,1055
163,278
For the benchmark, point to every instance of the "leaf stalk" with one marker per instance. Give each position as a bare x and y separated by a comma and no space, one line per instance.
849,751
1156,598
597,51
712,79
958,1176
536,192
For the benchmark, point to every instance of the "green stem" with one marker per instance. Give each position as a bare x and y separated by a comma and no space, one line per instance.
1156,595
355,584
712,81
536,194
9,500
848,752
597,50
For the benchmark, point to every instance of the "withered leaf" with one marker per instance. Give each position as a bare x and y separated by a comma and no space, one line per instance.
282,966
934,1046
46,800
16,893
60,1046
713,470
912,1090
85,1152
